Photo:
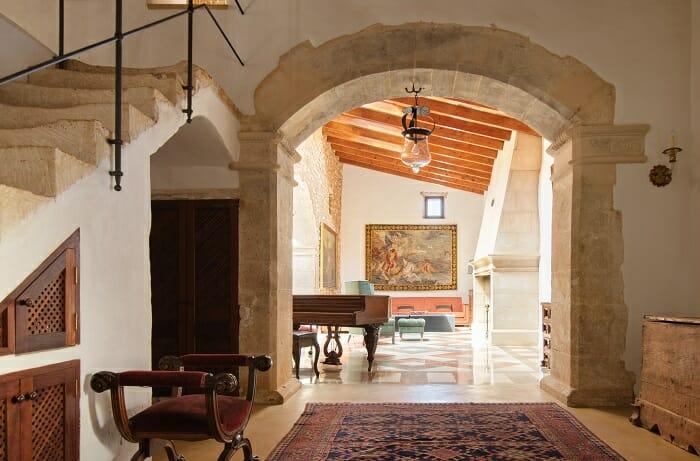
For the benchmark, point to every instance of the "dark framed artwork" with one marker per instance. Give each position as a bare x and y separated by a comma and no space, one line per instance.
411,257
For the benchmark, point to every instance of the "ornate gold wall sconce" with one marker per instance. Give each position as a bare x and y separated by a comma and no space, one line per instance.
661,175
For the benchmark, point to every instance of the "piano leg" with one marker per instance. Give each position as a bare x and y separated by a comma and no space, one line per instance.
333,356
371,340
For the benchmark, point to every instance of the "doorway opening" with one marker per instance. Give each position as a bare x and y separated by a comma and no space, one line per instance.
193,246
437,270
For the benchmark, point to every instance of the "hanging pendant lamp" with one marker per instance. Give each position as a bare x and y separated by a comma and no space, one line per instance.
415,152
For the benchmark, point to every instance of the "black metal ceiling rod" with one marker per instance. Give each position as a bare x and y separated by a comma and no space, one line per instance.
117,39
223,34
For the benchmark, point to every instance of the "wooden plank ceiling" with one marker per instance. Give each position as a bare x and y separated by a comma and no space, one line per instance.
464,145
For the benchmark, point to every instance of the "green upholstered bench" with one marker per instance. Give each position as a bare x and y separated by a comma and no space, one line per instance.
410,325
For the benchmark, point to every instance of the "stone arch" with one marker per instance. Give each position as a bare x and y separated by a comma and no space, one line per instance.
486,65
560,97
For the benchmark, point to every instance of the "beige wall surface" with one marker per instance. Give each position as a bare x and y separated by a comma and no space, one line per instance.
694,156
370,197
317,200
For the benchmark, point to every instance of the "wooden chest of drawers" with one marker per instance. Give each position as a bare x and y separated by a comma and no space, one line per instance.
669,397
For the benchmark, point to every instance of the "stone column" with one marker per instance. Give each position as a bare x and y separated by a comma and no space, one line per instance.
589,315
265,251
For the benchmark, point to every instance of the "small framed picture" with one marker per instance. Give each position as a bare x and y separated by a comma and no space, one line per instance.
328,256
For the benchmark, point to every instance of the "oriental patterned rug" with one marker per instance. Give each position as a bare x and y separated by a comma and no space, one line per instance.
439,432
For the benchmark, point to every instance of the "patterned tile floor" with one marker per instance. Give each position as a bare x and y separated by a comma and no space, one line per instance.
441,358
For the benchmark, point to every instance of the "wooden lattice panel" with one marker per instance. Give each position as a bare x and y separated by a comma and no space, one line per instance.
3,430
48,420
47,315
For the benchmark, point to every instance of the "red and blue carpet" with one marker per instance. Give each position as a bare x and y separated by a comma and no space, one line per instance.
439,432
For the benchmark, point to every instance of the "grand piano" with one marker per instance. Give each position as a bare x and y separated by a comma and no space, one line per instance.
334,311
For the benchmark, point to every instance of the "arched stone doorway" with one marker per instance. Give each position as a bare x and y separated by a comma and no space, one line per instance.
560,97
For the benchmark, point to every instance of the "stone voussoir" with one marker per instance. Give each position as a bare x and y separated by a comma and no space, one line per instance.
83,139
134,122
44,171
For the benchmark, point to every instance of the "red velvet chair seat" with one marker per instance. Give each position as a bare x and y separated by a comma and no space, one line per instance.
187,415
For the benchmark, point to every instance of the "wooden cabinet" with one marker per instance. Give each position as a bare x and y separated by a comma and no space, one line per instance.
669,390
194,277
43,311
546,336
39,414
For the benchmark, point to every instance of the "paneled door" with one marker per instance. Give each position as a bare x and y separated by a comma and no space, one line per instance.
194,277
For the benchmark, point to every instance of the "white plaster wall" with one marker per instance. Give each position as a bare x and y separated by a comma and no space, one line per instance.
370,197
545,217
24,52
305,243
694,156
115,285
494,198
196,158
115,293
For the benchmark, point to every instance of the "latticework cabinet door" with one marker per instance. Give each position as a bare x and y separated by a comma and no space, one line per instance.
49,416
46,307
9,421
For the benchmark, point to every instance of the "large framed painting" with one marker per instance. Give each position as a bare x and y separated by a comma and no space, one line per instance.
411,257
328,257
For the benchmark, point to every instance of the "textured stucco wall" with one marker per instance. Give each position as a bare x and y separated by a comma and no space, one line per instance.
694,156
318,199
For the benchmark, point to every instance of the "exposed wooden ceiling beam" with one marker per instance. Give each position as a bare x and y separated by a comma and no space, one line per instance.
397,144
463,112
394,120
467,174
446,120
393,134
447,174
442,161
480,168
418,177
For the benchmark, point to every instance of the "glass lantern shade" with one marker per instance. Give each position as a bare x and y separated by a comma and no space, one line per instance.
415,152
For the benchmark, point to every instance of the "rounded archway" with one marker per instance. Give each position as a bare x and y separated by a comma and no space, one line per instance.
494,67
560,97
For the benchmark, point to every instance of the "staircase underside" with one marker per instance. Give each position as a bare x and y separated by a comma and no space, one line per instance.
55,127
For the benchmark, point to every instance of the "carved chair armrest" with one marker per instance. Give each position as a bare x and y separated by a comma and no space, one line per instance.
193,379
220,384
204,361
220,363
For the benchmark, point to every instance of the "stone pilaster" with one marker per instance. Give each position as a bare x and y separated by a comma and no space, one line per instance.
265,278
589,315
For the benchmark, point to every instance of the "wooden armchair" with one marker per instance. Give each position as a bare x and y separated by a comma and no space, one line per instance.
203,406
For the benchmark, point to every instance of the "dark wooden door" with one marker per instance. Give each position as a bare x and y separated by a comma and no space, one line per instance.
194,277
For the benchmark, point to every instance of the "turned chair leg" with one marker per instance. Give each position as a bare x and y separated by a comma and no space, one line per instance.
227,452
248,451
230,449
143,452
172,453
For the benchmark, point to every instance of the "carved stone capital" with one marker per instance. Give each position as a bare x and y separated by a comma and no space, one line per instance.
602,144
505,263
